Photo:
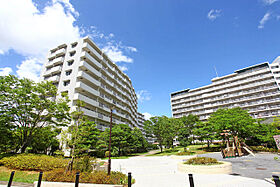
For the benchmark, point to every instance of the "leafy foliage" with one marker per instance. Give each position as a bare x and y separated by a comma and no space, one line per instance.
97,177
237,120
26,106
33,162
202,161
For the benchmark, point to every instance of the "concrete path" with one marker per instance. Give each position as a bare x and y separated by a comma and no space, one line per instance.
261,166
162,172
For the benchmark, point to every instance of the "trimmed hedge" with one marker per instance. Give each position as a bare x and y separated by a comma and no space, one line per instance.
97,177
33,162
264,149
202,161
185,153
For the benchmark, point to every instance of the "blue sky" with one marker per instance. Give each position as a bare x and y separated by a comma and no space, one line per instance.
163,45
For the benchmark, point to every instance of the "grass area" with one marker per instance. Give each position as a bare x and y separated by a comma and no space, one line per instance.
125,157
20,176
196,149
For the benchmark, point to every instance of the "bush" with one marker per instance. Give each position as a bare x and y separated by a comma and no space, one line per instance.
202,161
33,162
185,153
264,149
97,177
84,164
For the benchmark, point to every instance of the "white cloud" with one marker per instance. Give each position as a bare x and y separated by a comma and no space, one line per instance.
213,14
143,95
123,68
5,71
31,33
265,18
269,2
115,52
29,69
147,115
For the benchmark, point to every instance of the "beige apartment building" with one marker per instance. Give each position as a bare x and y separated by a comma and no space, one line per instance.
254,88
83,71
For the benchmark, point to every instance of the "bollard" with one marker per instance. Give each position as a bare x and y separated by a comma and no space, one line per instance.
129,179
77,179
276,180
11,179
191,180
40,179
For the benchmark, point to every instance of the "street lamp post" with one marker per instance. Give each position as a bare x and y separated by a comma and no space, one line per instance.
109,160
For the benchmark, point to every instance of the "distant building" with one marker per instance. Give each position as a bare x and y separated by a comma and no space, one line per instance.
254,88
83,71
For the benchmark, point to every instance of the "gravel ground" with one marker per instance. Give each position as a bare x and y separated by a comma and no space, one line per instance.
261,166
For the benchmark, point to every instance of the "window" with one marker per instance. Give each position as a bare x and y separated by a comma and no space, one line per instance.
274,67
70,62
67,73
49,68
74,44
66,83
72,53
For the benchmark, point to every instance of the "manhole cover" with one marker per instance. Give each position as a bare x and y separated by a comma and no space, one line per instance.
260,168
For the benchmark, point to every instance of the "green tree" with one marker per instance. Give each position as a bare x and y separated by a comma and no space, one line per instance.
29,105
265,132
45,140
83,134
237,120
204,132
139,143
163,129
185,132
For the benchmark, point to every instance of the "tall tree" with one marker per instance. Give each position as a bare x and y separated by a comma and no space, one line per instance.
162,129
204,132
29,106
237,120
185,132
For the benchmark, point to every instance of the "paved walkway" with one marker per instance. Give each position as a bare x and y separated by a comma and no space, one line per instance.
162,172
261,166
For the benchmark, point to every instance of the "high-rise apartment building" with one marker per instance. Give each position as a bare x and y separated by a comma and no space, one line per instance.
254,88
85,73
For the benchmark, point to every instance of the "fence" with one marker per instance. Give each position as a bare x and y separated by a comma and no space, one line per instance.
76,179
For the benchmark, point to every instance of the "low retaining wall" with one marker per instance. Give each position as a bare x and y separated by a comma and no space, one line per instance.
68,184
225,168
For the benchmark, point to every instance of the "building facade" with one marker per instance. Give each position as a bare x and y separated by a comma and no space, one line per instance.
254,88
81,70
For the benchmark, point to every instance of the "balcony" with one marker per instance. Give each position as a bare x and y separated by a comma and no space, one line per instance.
60,52
54,70
85,99
91,60
83,87
86,67
53,78
58,61
82,75
88,48
89,113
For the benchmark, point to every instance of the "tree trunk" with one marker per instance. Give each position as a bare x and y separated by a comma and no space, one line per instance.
208,143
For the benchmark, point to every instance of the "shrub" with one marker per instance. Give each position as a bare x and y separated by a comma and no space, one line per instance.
33,162
84,164
264,149
202,161
97,177
185,153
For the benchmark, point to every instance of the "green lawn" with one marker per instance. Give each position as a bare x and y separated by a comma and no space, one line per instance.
20,176
196,149
125,157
